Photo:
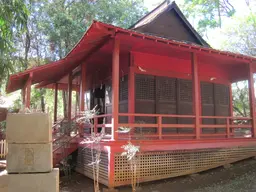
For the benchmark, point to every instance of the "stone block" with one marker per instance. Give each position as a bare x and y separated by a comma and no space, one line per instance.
29,158
28,128
33,182
3,181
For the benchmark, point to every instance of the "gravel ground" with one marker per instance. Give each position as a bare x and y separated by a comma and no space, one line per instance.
240,177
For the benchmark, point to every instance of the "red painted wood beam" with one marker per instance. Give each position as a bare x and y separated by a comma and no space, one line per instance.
230,100
82,87
115,88
252,98
131,89
230,107
69,95
111,168
55,102
196,94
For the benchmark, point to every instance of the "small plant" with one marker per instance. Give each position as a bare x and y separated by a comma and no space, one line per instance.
95,144
130,151
95,154
86,116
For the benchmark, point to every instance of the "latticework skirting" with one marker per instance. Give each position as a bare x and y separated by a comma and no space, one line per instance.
163,164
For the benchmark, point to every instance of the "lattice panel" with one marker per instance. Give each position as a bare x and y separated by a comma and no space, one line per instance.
166,89
84,158
221,93
185,109
207,93
221,110
185,90
160,165
208,110
123,88
123,108
168,108
145,87
145,107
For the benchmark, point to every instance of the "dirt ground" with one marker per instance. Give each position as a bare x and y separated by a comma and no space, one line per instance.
240,177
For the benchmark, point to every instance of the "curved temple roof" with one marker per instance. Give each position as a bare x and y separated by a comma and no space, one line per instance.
95,37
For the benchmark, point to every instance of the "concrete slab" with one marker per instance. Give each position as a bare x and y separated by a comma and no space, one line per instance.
40,182
3,181
28,128
29,158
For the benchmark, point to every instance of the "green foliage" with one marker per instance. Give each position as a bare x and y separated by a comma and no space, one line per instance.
240,35
66,21
240,93
208,13
13,19
52,29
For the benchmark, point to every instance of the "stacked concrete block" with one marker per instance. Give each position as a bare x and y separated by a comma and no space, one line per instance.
27,182
29,158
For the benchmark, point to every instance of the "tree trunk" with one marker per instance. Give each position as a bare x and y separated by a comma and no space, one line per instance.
219,14
42,101
64,97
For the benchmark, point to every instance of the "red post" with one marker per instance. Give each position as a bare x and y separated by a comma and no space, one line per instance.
196,94
230,100
111,168
228,128
160,127
69,95
82,87
115,89
252,99
131,89
55,102
231,105
28,91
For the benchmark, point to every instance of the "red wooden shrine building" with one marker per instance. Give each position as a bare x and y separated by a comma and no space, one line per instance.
161,79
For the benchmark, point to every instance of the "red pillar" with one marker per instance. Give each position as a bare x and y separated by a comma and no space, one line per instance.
252,99
69,95
131,89
56,102
82,87
196,94
230,100
27,90
115,88
230,121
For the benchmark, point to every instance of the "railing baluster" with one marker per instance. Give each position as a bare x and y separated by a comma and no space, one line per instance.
160,127
228,127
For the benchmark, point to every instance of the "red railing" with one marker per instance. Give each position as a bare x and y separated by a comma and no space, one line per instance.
224,129
230,125
159,125
62,136
87,128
